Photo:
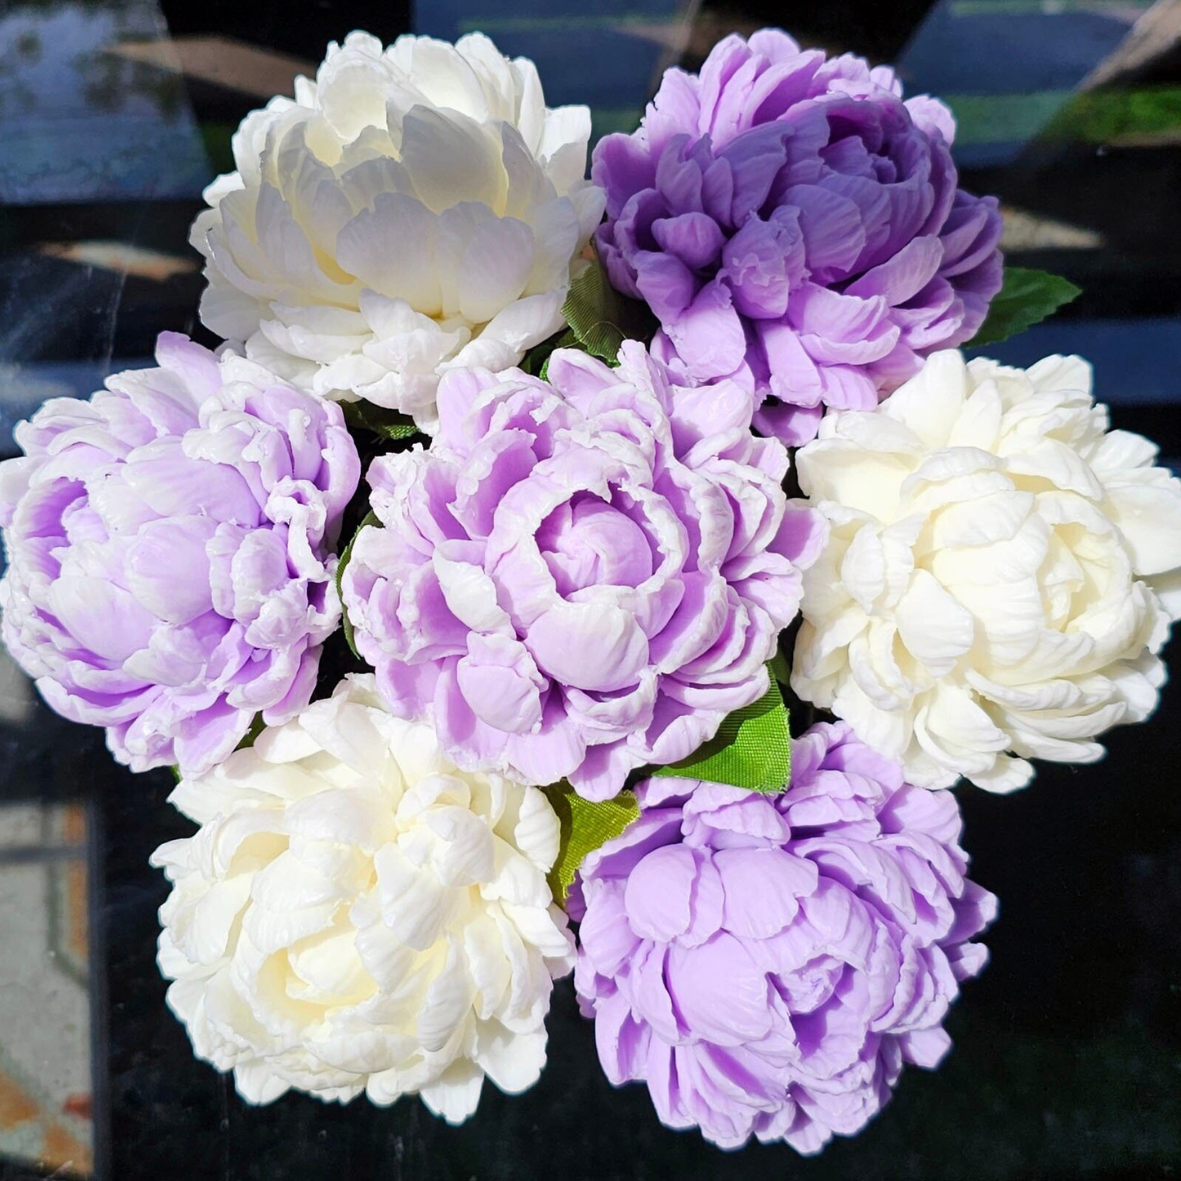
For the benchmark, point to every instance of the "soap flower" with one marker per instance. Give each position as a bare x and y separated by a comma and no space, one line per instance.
580,575
413,209
171,552
1000,573
796,225
356,914
766,965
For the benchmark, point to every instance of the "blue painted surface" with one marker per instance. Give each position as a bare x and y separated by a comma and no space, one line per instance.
983,48
1136,362
1003,52
603,55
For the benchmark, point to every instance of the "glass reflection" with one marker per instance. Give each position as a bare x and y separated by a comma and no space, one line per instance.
80,122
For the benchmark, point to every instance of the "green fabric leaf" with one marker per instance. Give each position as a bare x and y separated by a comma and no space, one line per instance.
370,518
585,826
1026,297
377,420
752,749
257,726
602,318
779,668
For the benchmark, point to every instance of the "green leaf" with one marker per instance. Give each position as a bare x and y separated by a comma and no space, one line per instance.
752,749
377,420
602,318
1026,297
370,518
779,668
585,826
257,726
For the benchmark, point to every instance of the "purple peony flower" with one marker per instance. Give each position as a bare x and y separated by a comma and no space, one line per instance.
578,577
766,965
794,224
170,553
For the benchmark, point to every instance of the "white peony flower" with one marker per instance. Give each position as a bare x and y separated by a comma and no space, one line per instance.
355,914
410,210
1000,573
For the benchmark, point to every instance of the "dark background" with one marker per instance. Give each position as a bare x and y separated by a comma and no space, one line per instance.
1067,1057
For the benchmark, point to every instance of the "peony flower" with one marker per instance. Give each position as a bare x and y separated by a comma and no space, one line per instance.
793,223
767,965
170,566
579,577
410,211
355,914
1000,573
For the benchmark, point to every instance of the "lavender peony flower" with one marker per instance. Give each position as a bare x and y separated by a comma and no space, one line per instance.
578,577
767,965
793,223
170,553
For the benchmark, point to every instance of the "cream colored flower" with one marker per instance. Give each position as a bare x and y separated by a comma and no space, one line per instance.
1000,573
355,914
412,209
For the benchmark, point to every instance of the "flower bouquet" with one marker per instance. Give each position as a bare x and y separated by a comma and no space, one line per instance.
603,576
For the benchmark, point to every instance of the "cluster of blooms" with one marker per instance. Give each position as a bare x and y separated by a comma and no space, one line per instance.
575,574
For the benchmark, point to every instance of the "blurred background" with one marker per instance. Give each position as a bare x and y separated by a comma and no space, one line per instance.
114,114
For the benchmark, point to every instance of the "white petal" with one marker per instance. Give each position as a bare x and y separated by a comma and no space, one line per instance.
391,249
257,1083
563,144
496,265
456,1093
448,1002
935,628
414,903
513,1061
1071,374
537,832
470,595
1149,516
931,403
452,159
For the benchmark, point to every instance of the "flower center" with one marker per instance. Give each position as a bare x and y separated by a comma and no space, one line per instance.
586,542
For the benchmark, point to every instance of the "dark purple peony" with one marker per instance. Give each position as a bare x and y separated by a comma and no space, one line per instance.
796,225
767,965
